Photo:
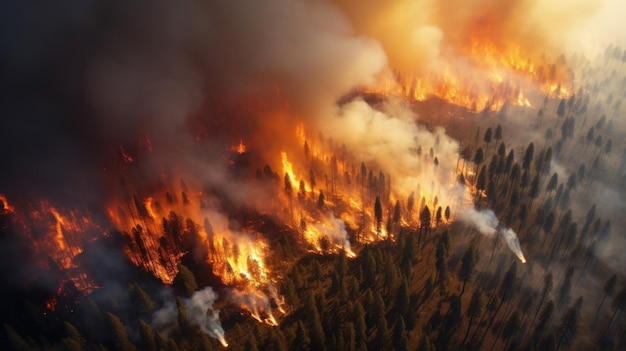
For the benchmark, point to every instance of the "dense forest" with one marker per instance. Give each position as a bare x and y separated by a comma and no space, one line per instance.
433,284
312,175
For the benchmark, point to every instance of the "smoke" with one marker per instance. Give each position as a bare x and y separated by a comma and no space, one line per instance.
389,137
416,35
200,311
485,221
335,230
257,303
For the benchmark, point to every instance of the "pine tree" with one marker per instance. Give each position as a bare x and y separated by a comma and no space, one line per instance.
378,215
185,281
609,288
544,321
17,342
474,310
470,258
400,338
120,337
301,342
141,302
381,338
147,336
569,325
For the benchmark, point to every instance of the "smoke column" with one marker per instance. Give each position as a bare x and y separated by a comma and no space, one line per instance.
485,222
335,230
200,311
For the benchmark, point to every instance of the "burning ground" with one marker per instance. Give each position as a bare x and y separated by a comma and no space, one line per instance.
283,175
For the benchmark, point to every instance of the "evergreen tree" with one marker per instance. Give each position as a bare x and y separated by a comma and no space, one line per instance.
301,342
425,344
381,338
17,342
378,214
566,288
185,281
400,337
120,337
147,336
528,156
569,325
609,288
474,310
141,302
545,319
470,258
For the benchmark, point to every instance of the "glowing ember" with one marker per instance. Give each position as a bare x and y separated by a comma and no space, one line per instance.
126,156
239,148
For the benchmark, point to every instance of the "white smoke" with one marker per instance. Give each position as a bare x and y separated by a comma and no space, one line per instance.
199,310
486,222
258,305
335,230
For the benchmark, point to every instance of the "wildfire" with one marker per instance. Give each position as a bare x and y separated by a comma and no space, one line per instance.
496,74
58,236
165,226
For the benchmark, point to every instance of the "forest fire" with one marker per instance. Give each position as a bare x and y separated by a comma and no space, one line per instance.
320,175
489,76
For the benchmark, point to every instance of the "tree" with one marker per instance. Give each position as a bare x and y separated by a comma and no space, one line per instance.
74,341
17,342
470,258
400,338
545,291
544,321
185,282
360,328
142,303
440,264
378,214
511,327
425,344
147,336
609,288
396,213
553,182
424,220
569,325
534,190
561,109
301,342
120,337
619,304
487,138
381,338
479,157
320,201
528,156
566,288
474,310
498,133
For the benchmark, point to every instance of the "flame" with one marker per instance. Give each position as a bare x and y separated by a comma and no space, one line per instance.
239,148
58,236
493,75
5,202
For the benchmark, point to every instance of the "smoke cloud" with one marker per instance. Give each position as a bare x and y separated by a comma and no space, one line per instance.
485,222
